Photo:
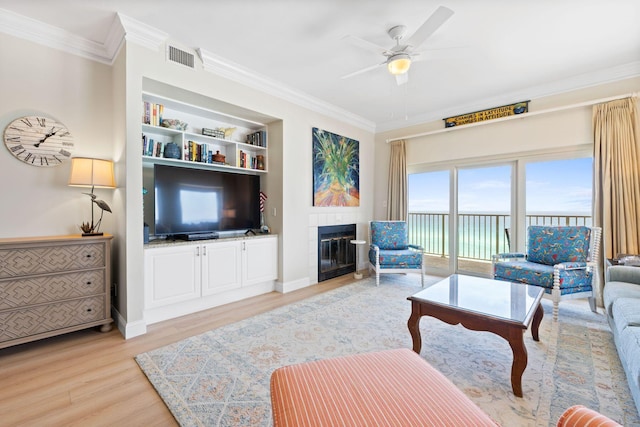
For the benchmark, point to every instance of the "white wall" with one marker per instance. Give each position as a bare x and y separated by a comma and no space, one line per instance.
36,201
288,182
100,104
566,131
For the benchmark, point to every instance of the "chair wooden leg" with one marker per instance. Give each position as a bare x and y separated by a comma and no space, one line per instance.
555,297
555,292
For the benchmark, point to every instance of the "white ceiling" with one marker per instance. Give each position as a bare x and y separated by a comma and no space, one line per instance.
489,53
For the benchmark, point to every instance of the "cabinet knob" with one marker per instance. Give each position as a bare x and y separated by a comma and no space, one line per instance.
89,310
88,283
88,255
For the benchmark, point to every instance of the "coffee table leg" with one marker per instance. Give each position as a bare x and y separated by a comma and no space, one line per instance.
537,318
414,327
520,358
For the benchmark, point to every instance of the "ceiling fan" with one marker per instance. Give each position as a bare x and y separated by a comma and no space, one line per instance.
399,57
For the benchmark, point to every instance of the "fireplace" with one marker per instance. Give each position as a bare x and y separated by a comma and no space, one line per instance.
336,255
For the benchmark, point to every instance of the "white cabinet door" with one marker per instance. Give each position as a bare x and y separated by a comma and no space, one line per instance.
260,260
172,274
221,267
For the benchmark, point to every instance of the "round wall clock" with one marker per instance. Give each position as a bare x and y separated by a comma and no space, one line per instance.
38,141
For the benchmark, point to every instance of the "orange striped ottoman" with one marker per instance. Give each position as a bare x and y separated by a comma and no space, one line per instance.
387,388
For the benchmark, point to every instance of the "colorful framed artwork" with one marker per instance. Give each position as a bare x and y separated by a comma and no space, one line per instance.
336,169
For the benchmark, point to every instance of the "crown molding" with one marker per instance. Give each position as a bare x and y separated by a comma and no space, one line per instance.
577,82
121,28
42,33
141,33
131,30
229,70
126,28
115,39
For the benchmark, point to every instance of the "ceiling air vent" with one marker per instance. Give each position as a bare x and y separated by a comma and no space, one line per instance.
180,56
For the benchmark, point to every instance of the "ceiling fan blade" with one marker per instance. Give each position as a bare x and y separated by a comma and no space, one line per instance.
435,21
372,47
364,70
402,78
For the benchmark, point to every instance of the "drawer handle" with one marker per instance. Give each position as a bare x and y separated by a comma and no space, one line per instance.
89,310
88,255
88,283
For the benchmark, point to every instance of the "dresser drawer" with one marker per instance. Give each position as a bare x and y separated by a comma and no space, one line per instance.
25,322
50,259
27,291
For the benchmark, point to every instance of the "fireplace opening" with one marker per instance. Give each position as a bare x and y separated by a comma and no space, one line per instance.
336,255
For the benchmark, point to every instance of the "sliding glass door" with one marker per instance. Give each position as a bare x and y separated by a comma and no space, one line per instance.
483,216
429,205
476,212
559,192
463,214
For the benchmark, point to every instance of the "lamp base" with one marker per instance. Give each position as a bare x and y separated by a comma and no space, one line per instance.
93,234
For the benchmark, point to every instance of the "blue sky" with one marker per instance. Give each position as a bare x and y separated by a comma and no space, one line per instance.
559,186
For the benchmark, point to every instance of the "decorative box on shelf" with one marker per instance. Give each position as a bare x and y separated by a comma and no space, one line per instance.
216,133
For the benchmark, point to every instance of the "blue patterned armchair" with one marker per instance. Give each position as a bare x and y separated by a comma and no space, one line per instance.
562,260
390,251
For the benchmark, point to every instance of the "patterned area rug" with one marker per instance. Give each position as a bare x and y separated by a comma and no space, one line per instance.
221,378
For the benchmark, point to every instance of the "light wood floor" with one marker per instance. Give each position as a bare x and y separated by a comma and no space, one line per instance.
88,378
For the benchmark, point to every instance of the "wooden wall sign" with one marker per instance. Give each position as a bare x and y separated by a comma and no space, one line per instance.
490,114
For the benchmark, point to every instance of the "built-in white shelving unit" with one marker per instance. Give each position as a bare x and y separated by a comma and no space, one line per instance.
244,148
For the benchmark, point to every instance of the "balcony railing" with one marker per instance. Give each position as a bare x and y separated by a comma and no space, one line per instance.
480,235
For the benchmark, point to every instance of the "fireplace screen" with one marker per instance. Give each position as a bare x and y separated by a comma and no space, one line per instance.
336,255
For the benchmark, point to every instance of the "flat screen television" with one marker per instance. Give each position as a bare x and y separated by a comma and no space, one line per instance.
191,201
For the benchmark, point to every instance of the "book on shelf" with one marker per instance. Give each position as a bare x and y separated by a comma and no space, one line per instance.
151,147
152,113
247,160
199,152
258,138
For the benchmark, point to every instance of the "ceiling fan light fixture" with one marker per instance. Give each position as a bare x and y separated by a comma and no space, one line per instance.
399,64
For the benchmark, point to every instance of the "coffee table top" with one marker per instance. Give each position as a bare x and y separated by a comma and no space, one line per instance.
487,297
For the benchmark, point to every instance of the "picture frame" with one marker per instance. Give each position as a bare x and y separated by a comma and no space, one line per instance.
336,169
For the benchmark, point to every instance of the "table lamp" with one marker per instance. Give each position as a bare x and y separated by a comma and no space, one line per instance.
88,172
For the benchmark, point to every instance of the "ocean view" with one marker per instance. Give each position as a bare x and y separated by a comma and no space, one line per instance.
480,234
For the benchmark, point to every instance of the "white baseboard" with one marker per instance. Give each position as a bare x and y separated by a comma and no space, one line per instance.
293,286
128,329
158,314
171,311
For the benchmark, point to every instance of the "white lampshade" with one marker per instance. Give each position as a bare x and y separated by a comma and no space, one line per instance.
87,172
399,64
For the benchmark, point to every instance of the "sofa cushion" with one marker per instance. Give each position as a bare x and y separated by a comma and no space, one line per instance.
630,350
552,245
614,290
625,312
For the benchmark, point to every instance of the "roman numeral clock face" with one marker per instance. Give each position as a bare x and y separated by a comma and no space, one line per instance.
38,141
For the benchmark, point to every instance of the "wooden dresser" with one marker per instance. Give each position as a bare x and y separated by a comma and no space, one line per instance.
53,285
